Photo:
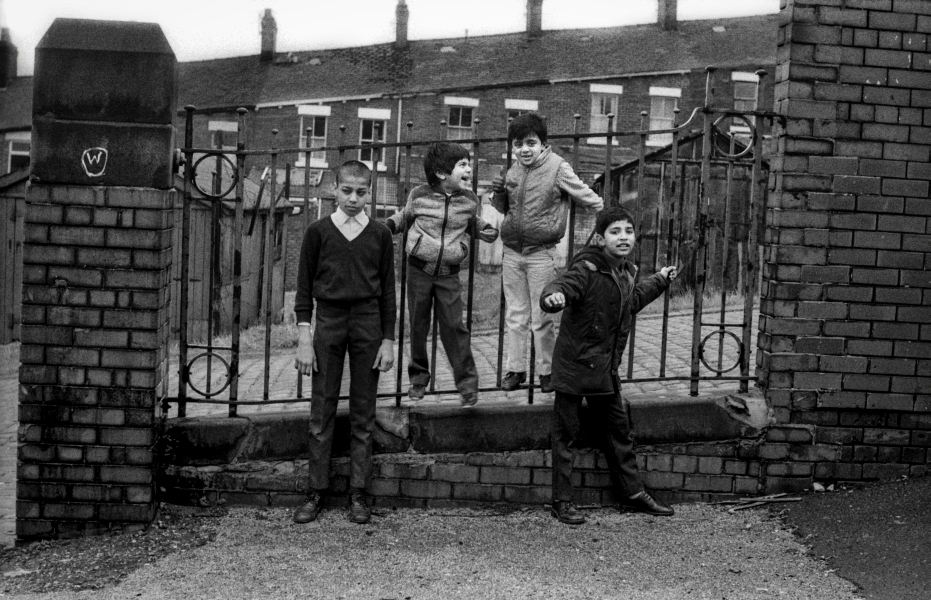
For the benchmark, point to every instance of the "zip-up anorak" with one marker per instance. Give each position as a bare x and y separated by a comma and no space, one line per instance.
600,303
438,224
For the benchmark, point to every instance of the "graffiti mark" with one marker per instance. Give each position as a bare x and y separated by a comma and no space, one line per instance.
94,161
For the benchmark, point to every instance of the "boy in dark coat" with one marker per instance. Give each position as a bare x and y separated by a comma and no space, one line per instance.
598,294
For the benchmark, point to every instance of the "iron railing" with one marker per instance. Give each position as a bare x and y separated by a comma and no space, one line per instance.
670,233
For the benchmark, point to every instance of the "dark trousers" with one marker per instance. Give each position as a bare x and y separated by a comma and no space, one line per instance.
612,422
355,328
444,294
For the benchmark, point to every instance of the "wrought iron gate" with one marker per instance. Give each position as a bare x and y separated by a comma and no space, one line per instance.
693,182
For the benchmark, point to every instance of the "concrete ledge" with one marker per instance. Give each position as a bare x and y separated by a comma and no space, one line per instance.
451,429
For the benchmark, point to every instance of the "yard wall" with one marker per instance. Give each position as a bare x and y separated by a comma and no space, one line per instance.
845,326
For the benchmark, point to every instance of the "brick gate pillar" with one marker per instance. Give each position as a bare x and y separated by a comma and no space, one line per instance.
96,278
845,331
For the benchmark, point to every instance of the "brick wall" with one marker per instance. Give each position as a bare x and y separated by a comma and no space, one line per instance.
94,343
845,327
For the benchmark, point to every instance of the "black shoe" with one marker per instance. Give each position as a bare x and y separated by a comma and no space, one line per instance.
359,511
567,513
546,384
468,399
417,391
513,380
645,503
309,511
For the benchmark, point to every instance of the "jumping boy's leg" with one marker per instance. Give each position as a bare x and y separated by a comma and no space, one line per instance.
516,316
330,339
419,302
610,415
457,341
364,340
565,431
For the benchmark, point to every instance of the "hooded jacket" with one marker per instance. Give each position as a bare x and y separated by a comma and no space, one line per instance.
535,211
600,301
438,225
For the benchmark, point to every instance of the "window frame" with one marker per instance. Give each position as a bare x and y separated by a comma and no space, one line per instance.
665,97
743,80
318,160
18,137
461,104
374,115
598,119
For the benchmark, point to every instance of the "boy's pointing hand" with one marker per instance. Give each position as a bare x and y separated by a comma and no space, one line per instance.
557,300
670,273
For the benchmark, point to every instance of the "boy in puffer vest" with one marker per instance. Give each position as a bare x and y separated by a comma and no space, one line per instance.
599,295
439,216
530,197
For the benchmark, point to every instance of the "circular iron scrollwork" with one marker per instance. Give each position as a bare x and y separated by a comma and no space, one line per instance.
234,179
722,333
226,365
747,148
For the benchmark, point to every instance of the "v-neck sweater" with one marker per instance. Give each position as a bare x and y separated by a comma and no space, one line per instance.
334,269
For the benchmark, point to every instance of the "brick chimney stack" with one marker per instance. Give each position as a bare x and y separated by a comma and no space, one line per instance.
8,56
269,35
666,15
534,18
403,16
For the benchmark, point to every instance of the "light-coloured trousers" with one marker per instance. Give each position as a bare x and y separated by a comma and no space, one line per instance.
524,276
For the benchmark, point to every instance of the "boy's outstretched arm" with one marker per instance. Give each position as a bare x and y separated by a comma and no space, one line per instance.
567,288
569,182
401,220
652,288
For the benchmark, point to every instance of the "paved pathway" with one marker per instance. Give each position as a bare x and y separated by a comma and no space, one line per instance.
283,384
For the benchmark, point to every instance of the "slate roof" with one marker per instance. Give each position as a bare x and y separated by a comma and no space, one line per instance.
16,105
477,62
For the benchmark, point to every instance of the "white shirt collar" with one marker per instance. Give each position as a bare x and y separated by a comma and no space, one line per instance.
340,218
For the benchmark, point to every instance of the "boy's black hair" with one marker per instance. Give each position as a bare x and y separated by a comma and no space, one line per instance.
354,168
525,125
612,215
442,157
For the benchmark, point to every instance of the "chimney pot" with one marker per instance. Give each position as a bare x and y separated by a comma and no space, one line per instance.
269,35
403,16
8,56
534,18
666,15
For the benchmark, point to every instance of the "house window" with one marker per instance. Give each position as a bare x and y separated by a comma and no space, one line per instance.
313,135
313,124
372,130
460,112
663,103
745,100
516,108
606,99
18,153
223,134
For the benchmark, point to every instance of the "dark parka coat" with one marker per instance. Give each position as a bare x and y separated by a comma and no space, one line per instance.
596,322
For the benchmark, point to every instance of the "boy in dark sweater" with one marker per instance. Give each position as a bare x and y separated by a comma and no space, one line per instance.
598,294
347,266
439,217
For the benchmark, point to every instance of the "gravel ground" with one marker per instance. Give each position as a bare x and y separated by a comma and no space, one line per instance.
702,552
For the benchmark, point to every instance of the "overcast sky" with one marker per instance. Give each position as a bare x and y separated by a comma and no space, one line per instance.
199,29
